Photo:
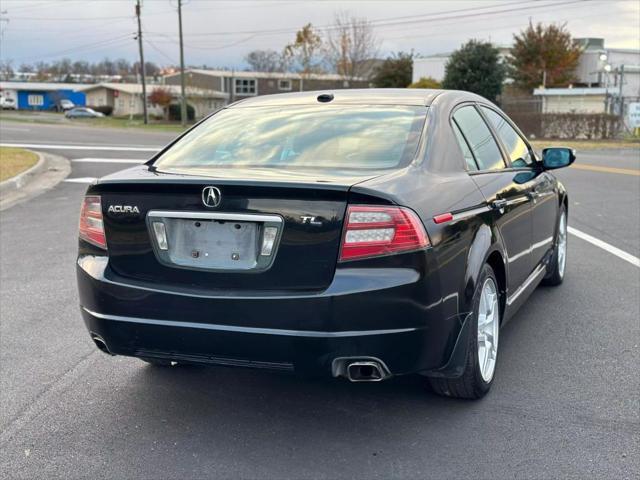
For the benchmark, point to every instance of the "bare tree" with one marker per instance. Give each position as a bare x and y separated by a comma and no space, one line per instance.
80,67
6,69
42,70
350,43
123,67
305,51
264,61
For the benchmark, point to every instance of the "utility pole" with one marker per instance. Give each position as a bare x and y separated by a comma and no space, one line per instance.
183,100
620,97
142,67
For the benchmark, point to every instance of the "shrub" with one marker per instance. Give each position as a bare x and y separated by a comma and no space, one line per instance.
426,82
106,109
475,67
174,113
586,126
580,125
395,71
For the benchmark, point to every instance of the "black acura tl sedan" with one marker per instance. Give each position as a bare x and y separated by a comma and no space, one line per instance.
356,233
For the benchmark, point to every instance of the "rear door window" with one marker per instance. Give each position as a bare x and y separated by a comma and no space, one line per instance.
464,146
479,137
517,149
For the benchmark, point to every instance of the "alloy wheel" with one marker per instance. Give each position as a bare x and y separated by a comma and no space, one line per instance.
562,244
488,329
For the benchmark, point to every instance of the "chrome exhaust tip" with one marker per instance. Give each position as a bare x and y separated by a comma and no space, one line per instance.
100,343
366,369
364,372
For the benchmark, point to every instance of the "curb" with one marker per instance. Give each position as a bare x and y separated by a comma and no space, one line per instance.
44,175
16,183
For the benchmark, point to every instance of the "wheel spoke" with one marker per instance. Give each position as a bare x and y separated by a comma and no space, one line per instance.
493,353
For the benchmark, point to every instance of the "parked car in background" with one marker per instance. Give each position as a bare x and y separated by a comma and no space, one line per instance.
83,112
8,103
355,233
66,104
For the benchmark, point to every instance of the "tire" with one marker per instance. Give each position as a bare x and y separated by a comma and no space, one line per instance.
558,264
474,383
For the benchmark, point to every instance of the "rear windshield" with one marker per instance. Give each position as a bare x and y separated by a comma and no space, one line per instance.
319,136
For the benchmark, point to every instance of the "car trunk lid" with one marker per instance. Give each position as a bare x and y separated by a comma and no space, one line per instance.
222,247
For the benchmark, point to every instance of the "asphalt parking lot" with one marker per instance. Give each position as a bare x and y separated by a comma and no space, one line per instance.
566,402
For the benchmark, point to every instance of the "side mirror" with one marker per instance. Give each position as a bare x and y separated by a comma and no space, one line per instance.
557,157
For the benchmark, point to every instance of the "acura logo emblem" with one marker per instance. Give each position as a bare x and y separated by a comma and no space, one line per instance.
211,196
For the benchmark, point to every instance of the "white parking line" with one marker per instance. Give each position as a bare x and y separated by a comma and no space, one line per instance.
80,180
605,246
15,129
115,148
108,160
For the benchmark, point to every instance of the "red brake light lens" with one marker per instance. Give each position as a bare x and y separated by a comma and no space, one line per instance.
372,231
91,226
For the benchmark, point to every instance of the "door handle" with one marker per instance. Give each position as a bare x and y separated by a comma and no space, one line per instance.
499,204
533,195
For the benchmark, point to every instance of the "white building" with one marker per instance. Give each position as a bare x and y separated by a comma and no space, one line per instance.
604,67
126,98
611,77
434,65
573,100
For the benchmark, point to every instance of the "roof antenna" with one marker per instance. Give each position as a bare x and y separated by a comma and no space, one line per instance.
325,97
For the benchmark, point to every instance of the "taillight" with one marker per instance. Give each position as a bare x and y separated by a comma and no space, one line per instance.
91,226
372,231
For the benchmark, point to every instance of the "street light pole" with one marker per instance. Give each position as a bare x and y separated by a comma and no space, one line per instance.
142,67
183,97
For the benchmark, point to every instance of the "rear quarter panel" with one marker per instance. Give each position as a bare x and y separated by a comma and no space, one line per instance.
438,183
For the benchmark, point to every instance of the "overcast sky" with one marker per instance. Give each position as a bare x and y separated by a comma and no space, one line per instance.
221,33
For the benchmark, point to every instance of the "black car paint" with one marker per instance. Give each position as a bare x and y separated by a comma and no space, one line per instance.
409,310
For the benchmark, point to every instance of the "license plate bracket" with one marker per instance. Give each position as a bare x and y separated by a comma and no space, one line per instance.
212,241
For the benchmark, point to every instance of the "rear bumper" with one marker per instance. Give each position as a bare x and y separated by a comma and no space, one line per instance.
389,314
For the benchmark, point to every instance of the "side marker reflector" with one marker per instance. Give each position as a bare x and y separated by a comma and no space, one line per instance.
443,218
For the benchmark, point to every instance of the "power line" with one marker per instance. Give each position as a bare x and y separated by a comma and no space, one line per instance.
89,46
157,49
510,26
393,21
443,25
71,19
461,19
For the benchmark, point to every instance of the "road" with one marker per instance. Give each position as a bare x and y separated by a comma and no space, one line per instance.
566,402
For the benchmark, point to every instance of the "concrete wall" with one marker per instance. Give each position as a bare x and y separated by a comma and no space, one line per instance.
574,104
